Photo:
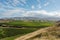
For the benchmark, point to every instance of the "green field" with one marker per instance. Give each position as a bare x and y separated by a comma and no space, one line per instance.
29,24
12,32
9,33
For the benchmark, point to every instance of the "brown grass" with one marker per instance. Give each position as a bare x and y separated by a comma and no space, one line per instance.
49,34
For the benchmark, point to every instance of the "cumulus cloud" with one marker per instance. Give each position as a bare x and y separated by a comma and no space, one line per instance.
43,12
32,13
12,12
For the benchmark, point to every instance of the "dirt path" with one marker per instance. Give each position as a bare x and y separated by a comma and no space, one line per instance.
30,35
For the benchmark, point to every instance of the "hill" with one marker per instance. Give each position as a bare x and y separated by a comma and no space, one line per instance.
48,34
33,18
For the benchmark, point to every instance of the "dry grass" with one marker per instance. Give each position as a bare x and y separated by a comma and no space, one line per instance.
50,34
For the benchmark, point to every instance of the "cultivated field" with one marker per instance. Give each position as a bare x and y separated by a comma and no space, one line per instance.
14,29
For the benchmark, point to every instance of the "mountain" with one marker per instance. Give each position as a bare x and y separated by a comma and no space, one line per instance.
33,18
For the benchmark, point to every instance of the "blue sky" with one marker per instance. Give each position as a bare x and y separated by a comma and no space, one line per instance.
29,8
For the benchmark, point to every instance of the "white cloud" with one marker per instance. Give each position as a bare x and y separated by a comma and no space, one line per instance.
31,13
46,4
16,2
55,13
32,6
12,12
24,1
8,5
43,12
23,12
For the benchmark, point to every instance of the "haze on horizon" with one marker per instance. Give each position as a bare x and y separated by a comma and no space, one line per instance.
29,8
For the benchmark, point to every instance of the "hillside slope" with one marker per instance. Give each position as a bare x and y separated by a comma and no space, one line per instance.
49,33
